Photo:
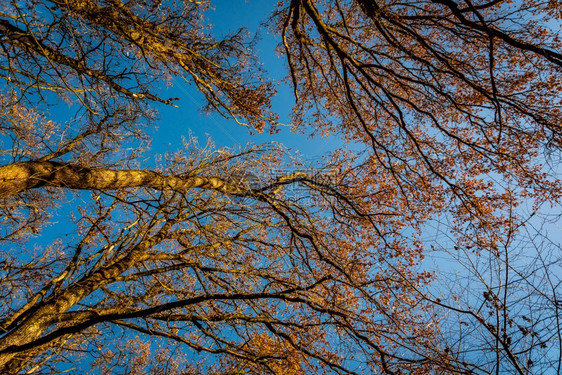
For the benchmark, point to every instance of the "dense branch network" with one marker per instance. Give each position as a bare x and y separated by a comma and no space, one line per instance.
228,266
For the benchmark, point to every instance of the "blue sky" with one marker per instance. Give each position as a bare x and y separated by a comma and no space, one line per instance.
188,119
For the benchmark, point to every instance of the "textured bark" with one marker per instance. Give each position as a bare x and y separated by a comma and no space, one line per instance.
18,177
32,327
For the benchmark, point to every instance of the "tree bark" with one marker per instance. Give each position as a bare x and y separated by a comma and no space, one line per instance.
18,177
46,313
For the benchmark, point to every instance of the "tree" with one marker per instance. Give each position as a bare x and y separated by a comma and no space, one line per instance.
213,253
249,274
505,304
259,277
460,103
442,94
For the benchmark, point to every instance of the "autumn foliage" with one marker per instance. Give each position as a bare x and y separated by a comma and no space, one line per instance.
213,261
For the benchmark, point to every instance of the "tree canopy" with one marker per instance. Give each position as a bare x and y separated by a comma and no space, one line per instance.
249,260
